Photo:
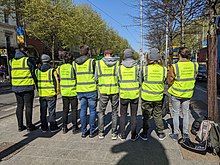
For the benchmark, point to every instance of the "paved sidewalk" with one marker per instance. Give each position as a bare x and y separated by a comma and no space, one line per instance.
56,148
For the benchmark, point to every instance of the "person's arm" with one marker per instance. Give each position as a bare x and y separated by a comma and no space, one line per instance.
32,65
170,75
56,82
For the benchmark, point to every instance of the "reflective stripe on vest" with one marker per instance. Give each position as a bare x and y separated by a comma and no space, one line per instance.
20,73
45,83
107,78
184,83
85,80
153,85
129,84
67,80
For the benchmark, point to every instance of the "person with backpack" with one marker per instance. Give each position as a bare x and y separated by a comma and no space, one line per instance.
129,93
67,78
48,89
182,79
86,90
106,75
154,75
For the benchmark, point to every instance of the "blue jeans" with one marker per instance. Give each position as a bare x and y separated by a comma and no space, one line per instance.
87,99
184,105
49,103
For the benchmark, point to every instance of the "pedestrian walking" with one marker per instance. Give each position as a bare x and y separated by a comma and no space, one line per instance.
129,93
182,77
86,90
67,78
154,75
23,84
48,89
106,74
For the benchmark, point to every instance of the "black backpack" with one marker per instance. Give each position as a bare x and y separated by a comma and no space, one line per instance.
214,139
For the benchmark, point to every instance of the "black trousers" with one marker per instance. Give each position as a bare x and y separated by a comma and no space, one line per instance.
24,99
67,101
123,114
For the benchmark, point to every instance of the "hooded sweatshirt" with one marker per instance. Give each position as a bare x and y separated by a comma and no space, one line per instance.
17,89
109,61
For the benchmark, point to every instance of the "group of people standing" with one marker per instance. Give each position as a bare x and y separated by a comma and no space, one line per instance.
88,81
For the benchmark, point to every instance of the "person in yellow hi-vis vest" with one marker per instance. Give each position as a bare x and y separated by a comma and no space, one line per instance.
86,90
106,75
48,89
154,75
23,84
67,78
182,77
129,83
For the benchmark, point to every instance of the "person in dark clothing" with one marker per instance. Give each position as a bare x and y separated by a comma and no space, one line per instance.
23,84
48,89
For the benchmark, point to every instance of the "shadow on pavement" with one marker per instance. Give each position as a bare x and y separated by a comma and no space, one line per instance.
141,152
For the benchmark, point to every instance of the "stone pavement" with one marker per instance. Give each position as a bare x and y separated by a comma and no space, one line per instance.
56,148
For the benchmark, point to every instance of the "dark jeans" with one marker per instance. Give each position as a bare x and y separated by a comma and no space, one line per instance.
24,98
123,114
67,101
152,109
49,103
103,102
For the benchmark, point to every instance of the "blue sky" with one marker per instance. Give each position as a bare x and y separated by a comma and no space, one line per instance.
120,11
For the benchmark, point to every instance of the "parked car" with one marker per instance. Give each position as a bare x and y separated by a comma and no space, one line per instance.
202,73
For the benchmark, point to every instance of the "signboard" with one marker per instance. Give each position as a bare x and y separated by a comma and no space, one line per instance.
3,52
20,35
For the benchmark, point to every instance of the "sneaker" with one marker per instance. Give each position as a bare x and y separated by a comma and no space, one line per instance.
32,127
161,136
174,137
83,135
92,135
185,136
134,137
143,136
122,138
44,129
75,130
54,128
101,136
22,128
65,130
114,136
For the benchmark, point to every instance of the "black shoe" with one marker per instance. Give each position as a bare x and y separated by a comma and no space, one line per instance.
44,129
121,137
83,135
22,128
32,127
161,135
92,135
174,137
143,136
75,130
65,130
134,137
54,128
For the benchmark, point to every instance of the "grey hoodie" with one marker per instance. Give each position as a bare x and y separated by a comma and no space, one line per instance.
81,59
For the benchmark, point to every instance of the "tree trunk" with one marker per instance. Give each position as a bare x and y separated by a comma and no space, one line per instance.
53,50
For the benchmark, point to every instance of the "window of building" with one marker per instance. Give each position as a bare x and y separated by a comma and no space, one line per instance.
6,17
8,41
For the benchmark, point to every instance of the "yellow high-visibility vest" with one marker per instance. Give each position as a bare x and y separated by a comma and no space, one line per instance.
107,78
129,83
20,72
153,85
184,83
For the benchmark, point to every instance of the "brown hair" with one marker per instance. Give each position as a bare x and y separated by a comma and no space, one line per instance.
184,52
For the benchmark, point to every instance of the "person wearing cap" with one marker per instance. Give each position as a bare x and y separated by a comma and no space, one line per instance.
129,93
181,78
48,89
86,90
67,78
106,75
154,75
23,84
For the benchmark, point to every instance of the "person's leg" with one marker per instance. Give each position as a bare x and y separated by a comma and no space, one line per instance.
19,110
66,103
185,109
28,100
134,108
74,109
147,109
176,110
157,114
123,115
92,102
43,114
114,104
52,114
83,112
103,102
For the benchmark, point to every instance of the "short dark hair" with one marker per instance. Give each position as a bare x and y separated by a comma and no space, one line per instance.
184,52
